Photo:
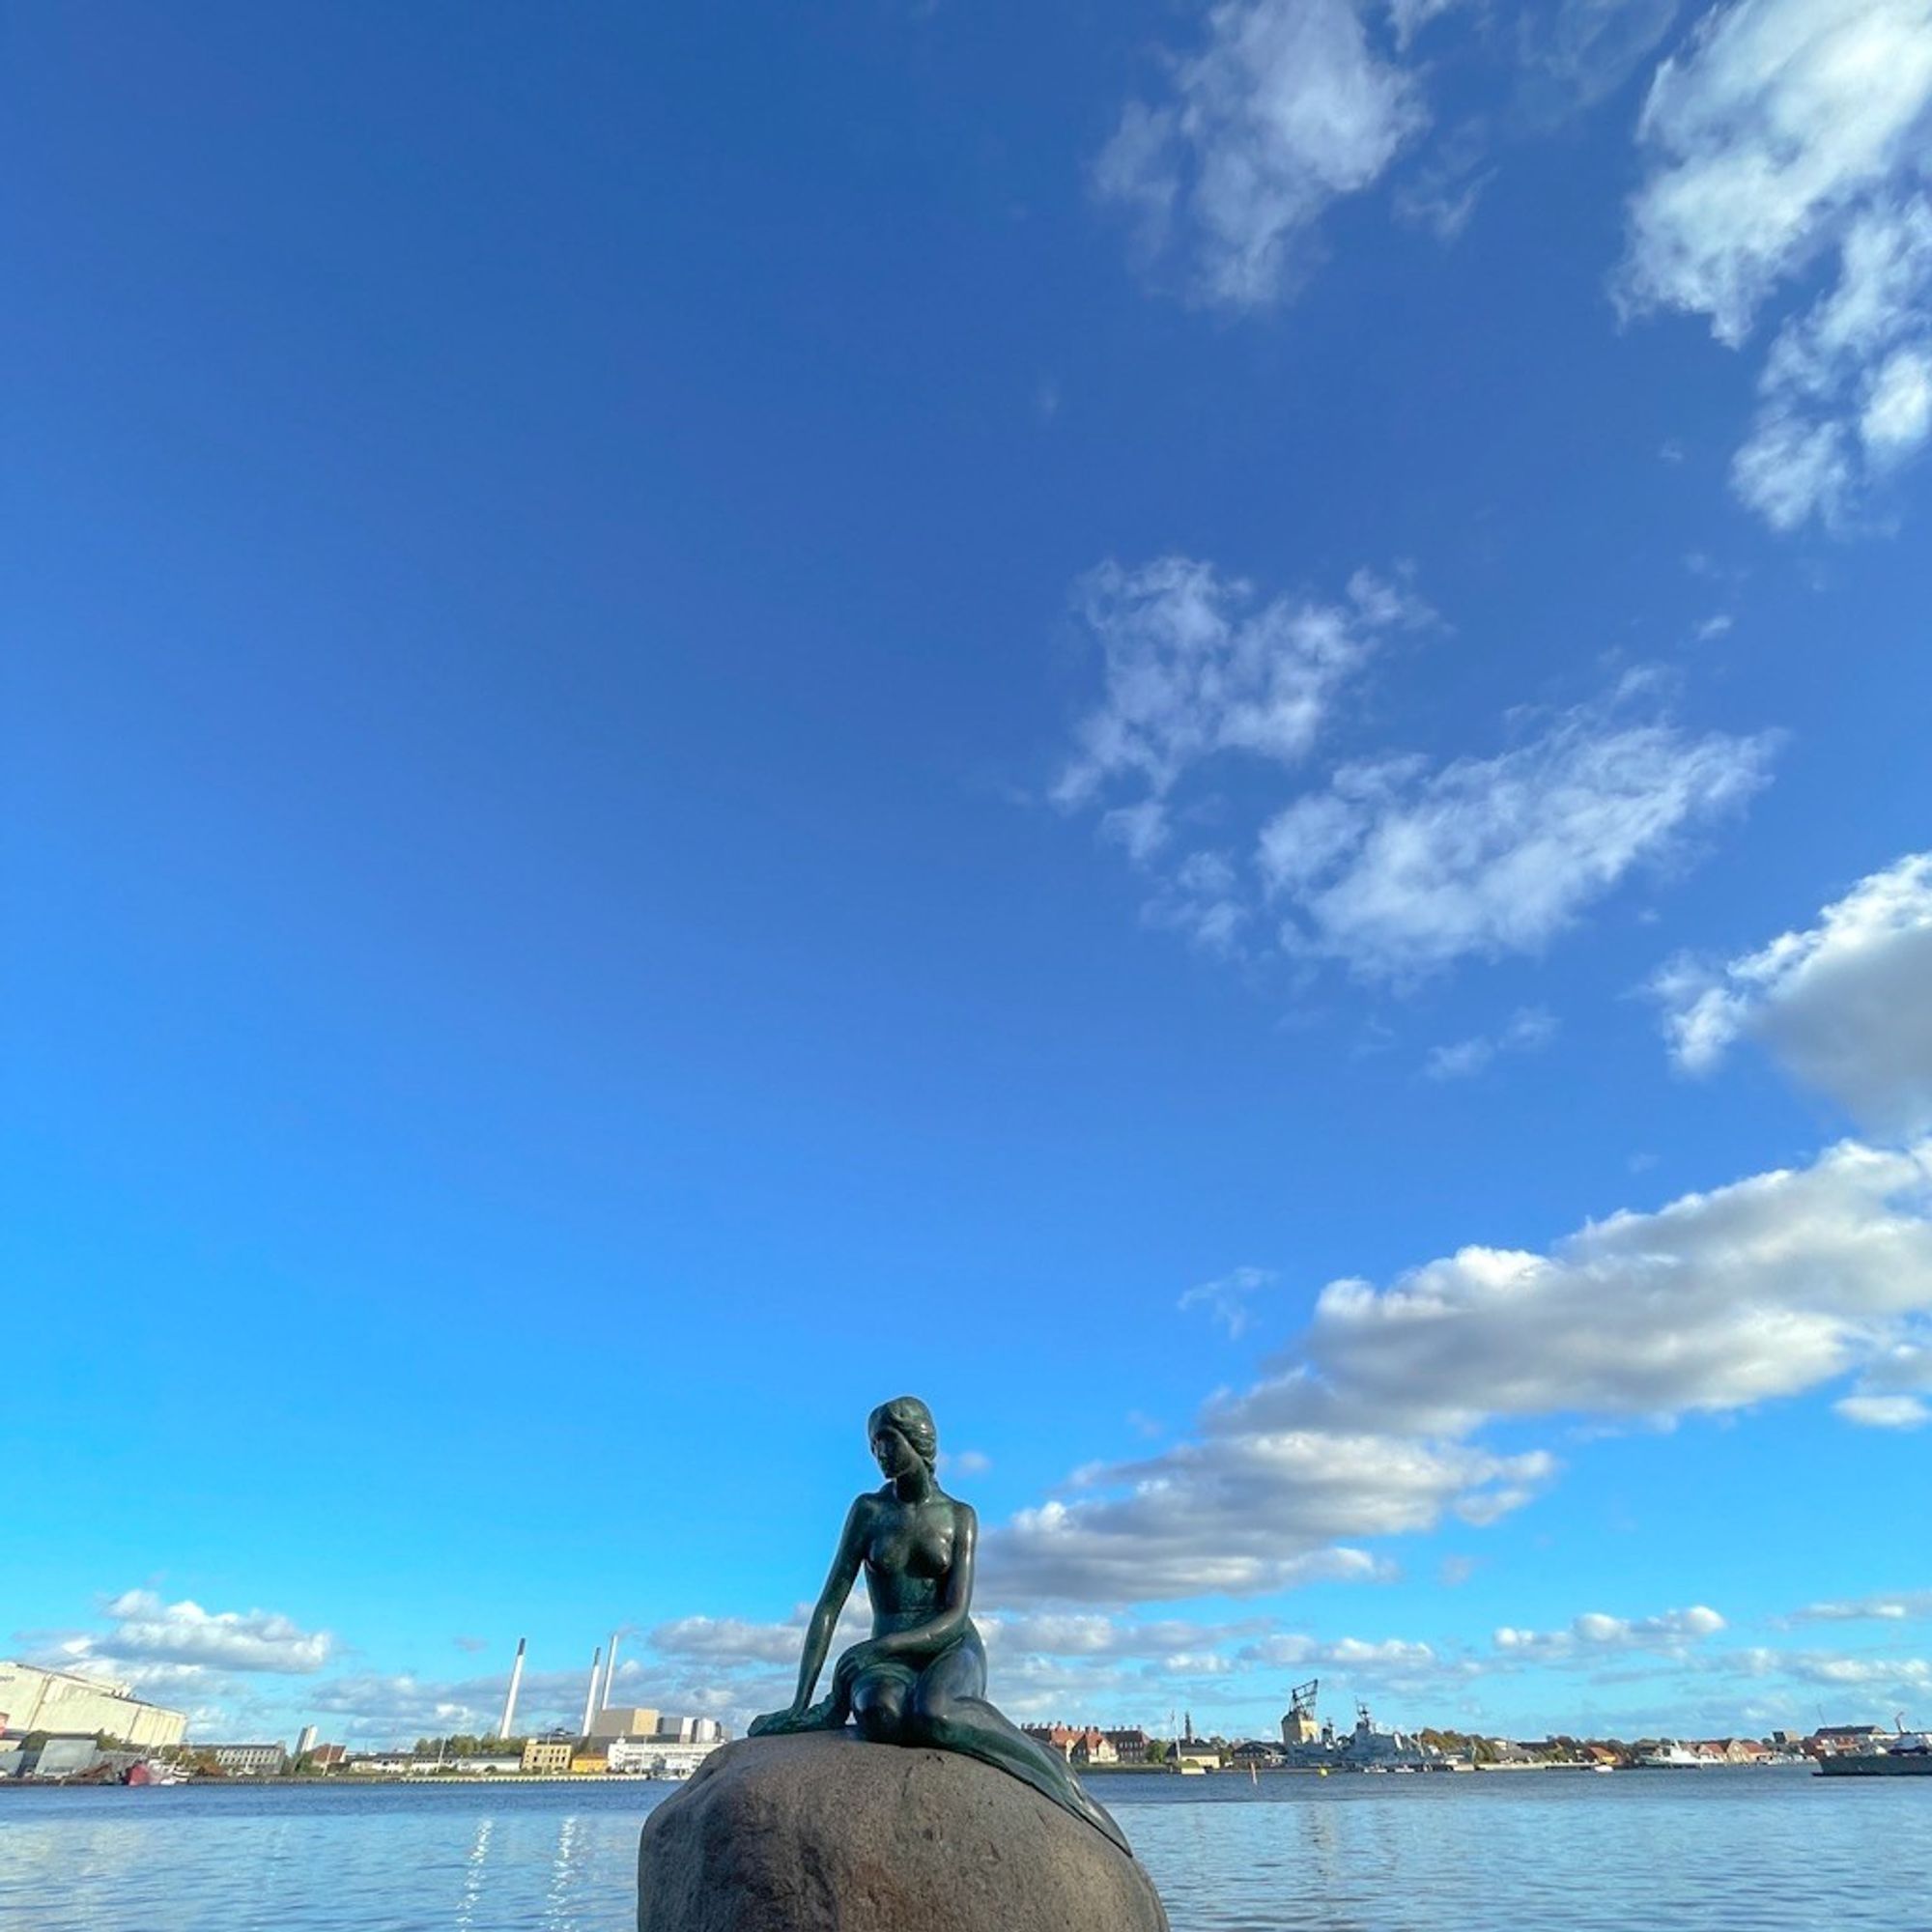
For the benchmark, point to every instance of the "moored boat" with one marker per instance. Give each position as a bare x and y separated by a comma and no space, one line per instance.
1906,1754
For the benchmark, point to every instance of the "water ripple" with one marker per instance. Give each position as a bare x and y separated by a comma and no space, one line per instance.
1771,1850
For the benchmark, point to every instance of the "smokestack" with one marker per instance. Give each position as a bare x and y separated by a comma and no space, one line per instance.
610,1670
510,1702
590,1694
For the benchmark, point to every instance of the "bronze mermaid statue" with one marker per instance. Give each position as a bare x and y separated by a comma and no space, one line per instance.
920,1677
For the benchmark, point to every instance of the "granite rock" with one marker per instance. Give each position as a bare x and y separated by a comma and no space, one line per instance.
820,1833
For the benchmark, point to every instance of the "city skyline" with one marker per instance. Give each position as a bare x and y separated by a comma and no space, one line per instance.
1207,741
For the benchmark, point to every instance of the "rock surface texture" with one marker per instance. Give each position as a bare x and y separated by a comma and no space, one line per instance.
820,1831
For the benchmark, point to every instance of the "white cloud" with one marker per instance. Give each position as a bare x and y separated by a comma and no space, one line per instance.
1842,1004
388,1708
1086,1635
730,1641
1777,1285
1847,391
1396,865
1400,868
1409,17
1241,1514
1896,1607
1891,1674
1671,1633
1195,666
1775,123
146,1634
1529,1030
1441,192
1363,1655
1788,129
1287,107
1576,52
1227,1297
1201,897
1883,1411
1897,414
1763,1288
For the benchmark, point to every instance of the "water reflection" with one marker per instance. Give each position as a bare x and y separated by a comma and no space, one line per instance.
1761,1849
556,1907
472,1876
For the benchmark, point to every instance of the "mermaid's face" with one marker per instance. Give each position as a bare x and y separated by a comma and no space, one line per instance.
897,1457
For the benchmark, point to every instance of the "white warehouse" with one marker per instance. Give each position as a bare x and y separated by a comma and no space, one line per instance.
33,1699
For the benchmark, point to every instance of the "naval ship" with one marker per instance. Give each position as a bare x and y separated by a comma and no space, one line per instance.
1906,1754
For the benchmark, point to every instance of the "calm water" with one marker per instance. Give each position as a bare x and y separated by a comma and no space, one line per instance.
1691,1851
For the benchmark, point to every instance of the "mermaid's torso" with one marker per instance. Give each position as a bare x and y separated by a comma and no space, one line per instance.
908,1558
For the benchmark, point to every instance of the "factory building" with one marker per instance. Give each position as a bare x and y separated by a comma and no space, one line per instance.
624,1721
32,1699
637,1720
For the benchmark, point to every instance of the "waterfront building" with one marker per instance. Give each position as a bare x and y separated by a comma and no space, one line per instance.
589,1762
1257,1753
659,1757
304,1741
624,1721
33,1699
56,1757
1079,1744
405,1763
250,1760
1130,1745
548,1755
1738,1751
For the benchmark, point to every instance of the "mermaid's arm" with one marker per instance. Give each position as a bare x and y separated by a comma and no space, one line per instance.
839,1580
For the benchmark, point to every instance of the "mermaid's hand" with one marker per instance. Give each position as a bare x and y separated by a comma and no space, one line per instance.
861,1657
823,1715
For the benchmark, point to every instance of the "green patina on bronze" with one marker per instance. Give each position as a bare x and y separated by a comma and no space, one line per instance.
920,1677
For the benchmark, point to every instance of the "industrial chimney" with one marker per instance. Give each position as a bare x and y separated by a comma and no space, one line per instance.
590,1694
609,1671
510,1702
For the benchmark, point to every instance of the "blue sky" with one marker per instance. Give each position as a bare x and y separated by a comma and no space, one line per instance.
1200,729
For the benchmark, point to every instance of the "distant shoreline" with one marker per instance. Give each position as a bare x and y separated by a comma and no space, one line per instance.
497,1779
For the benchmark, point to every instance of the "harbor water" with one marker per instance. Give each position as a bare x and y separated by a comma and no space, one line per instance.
1693,1851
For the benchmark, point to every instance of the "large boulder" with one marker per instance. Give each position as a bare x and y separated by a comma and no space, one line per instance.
820,1831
